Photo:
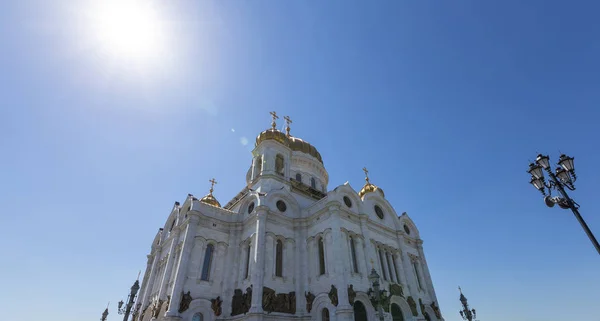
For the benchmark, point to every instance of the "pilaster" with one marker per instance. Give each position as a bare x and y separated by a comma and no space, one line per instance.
181,267
165,277
258,273
340,269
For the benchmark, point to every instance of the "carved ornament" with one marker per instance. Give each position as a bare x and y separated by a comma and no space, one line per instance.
309,300
413,306
333,295
215,304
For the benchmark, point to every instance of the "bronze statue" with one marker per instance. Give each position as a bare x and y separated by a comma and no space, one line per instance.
237,302
436,310
351,294
186,299
215,304
422,306
396,289
247,299
413,306
333,296
309,300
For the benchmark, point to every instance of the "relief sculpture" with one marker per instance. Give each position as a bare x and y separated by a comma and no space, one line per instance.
351,294
186,299
413,306
278,302
215,304
436,310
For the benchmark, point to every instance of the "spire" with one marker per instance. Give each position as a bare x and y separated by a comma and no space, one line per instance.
275,117
288,121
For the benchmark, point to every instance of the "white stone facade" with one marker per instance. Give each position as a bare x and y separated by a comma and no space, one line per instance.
245,237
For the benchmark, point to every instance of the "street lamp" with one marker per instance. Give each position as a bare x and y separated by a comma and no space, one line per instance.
563,177
105,313
130,300
465,313
375,293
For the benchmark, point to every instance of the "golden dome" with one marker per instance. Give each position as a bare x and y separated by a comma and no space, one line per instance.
209,198
294,143
369,188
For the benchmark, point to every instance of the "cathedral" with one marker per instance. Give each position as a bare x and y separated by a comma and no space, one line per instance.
287,247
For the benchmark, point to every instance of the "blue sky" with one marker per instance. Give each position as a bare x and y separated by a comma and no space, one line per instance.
444,101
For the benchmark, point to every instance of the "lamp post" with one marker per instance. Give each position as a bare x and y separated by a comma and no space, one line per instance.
375,293
130,300
104,314
465,313
563,177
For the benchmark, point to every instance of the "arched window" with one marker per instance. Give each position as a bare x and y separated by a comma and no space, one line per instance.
382,265
299,177
397,313
247,271
279,164
313,183
360,312
325,314
353,253
208,257
198,317
321,257
257,166
279,258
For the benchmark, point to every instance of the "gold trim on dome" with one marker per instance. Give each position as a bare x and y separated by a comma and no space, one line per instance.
209,198
369,188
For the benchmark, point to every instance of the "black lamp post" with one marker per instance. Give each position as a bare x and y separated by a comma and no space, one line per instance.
104,314
130,300
465,313
375,293
563,177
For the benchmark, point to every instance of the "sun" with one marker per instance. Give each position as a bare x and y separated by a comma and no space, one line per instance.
128,28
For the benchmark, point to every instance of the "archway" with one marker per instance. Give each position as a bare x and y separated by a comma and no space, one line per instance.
360,313
397,313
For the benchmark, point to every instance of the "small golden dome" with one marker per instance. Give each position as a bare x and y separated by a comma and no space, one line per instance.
209,198
294,143
369,188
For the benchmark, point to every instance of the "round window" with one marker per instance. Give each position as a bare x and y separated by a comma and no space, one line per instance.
250,207
406,229
379,212
347,201
281,206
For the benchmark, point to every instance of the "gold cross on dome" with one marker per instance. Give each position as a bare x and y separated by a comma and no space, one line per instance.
212,184
366,174
288,121
274,116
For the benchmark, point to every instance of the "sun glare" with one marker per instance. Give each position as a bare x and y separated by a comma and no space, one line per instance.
128,28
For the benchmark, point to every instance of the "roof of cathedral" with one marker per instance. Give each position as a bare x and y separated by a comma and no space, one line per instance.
369,187
294,143
210,198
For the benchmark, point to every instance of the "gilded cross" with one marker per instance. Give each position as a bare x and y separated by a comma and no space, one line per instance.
212,184
288,121
366,174
274,116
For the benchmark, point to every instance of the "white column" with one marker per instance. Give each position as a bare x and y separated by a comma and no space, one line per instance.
167,273
181,267
368,250
363,266
258,273
269,256
390,264
310,260
289,266
340,270
231,270
300,273
151,277
400,269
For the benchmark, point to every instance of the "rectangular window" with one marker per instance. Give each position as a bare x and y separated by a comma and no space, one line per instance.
382,265
279,258
247,261
353,253
321,257
389,265
417,274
